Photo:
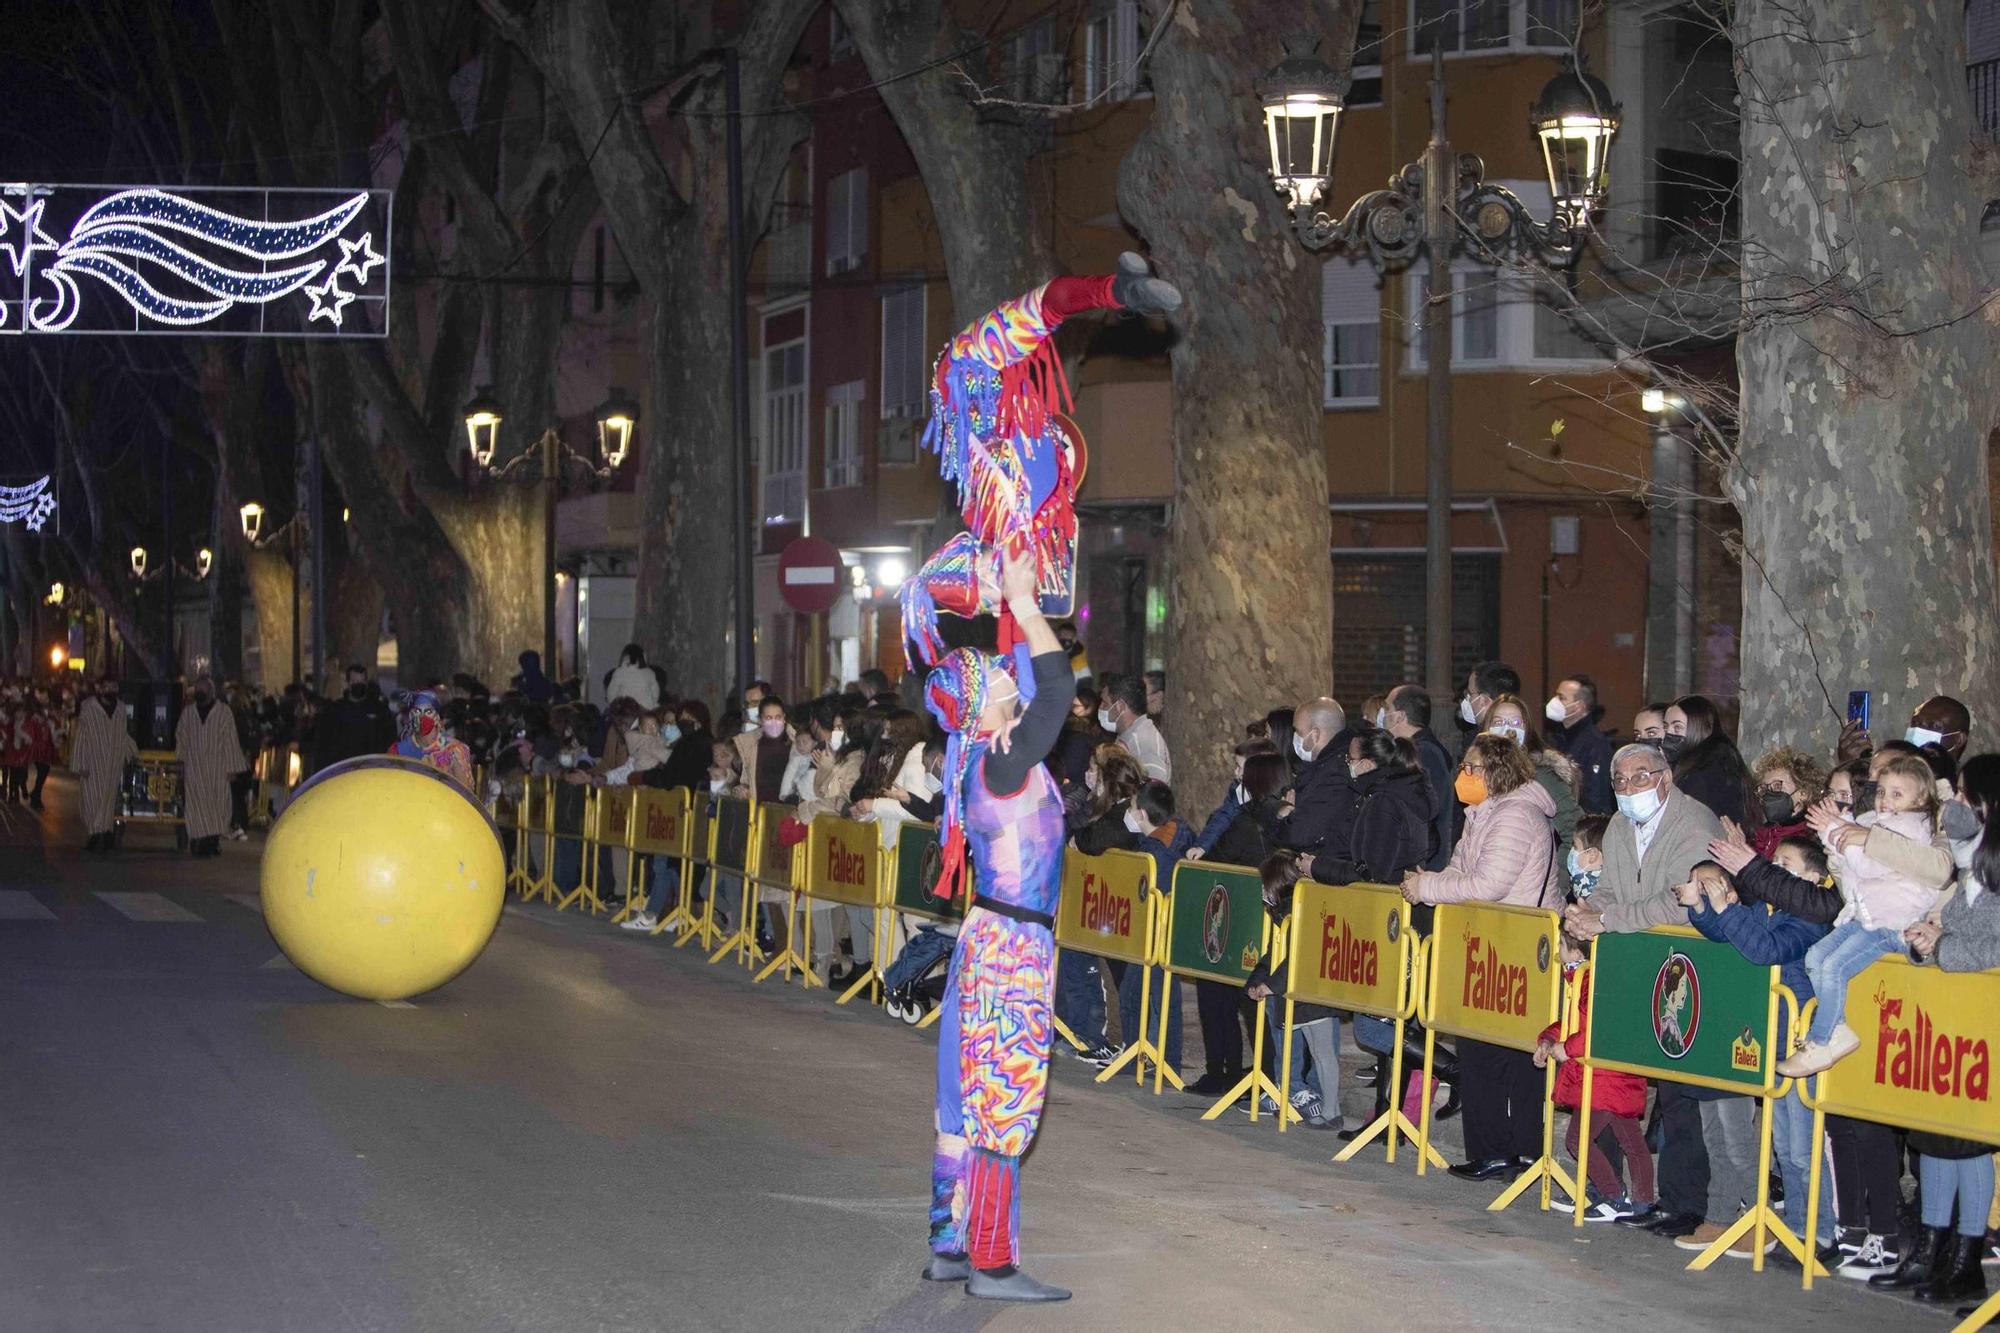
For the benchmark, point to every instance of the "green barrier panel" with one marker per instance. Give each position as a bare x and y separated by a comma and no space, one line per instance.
919,859
1215,921
1671,1004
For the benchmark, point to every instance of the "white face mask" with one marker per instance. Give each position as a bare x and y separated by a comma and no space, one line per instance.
835,739
1132,824
1639,806
567,760
933,784
1242,794
1514,733
1104,719
1090,781
1301,749
1467,713
749,725
1381,719
1555,710
1922,736
717,786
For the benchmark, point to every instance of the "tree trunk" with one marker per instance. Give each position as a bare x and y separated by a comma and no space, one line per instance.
1867,370
1250,610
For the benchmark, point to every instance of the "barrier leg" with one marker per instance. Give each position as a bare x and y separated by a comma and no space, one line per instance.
1814,1183
1160,1067
1062,1028
1424,1150
788,956
743,940
681,917
1759,1218
699,925
1982,1316
585,891
1139,1047
1256,1081
1546,1170
1392,1123
873,976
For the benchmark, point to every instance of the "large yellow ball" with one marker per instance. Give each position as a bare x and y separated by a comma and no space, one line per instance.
383,878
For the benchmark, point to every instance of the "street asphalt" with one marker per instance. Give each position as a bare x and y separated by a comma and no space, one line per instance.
591,1130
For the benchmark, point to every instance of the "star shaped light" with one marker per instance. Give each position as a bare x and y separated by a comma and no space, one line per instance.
33,238
328,299
369,259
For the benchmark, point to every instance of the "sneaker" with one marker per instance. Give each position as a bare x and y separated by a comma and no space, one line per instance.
1745,1247
1991,1254
639,921
1849,1239
1875,1256
1809,1059
1309,1106
1612,1210
1265,1106
235,834
1101,1054
1702,1236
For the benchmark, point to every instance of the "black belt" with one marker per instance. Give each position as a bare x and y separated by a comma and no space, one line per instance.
994,905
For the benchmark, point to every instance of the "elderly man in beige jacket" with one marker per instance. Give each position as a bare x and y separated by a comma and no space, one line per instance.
1655,839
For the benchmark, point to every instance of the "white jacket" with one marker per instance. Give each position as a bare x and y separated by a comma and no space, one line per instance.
636,683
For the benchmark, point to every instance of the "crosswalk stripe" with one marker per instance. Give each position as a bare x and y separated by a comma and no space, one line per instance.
249,900
20,905
146,907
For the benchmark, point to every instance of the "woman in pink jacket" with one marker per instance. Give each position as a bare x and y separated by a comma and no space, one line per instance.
1507,854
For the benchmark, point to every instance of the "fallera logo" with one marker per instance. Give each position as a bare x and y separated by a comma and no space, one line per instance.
1921,1057
660,825
1344,958
1105,911
1493,985
844,866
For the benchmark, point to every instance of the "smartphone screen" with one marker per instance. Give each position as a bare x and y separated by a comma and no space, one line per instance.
1857,707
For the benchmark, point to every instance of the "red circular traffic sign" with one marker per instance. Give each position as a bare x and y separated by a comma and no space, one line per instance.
810,574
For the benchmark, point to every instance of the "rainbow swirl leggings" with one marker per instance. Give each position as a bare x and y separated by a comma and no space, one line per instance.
993,1071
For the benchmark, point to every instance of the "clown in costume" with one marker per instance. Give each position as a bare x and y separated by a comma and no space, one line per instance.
423,739
1014,461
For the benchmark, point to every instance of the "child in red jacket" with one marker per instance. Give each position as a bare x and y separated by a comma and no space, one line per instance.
1617,1103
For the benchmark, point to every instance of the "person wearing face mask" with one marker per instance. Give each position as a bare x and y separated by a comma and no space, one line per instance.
1487,682
1321,821
1406,715
1707,764
1069,761
1788,782
1573,731
205,744
1123,713
100,747
1150,818
1558,774
357,723
764,754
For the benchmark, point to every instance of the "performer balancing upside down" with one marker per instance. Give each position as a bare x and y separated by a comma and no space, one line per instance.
1015,462
993,1039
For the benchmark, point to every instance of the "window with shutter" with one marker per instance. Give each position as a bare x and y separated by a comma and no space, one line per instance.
903,353
843,434
846,221
784,432
1491,25
1351,314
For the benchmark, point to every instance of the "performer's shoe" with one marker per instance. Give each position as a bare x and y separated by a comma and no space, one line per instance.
948,1268
1011,1284
1135,289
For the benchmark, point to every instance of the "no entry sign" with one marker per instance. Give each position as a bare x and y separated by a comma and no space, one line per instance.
809,574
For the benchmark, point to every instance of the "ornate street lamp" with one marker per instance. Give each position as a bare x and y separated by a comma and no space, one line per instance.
1303,99
615,422
138,562
56,592
482,426
1433,207
1575,120
252,515
203,559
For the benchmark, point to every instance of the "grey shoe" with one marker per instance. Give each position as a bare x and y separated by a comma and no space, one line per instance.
1134,288
948,1268
1016,1286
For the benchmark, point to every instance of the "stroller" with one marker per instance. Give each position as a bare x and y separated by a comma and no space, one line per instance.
915,982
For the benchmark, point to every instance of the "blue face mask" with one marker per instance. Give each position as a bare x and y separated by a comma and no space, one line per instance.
671,733
1582,882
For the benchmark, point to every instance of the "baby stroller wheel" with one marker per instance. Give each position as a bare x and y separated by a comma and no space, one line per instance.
915,1007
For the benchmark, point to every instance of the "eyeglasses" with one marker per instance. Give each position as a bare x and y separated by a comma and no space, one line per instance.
1636,781
1476,770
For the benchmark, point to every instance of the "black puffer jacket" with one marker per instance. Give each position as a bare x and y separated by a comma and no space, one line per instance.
1247,840
1393,830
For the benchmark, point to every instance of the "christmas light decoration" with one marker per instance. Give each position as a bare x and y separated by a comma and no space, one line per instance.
31,504
177,263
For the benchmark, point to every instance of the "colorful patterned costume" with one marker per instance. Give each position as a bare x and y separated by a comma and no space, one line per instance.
993,1040
423,739
998,434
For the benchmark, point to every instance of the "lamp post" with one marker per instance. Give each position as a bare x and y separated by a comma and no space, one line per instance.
617,418
251,515
1433,206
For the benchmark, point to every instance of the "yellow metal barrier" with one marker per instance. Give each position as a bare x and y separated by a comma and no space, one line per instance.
520,879
1925,1062
1671,1004
543,883
1491,975
845,863
776,866
698,925
731,851
607,820
1352,949
1215,930
658,827
1108,909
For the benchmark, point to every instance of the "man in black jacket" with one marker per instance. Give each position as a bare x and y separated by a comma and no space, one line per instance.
1321,822
355,724
1408,717
1572,718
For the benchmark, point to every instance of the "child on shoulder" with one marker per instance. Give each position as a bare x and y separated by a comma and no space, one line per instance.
1881,903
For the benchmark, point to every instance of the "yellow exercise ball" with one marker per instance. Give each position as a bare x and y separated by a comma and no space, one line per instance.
383,878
